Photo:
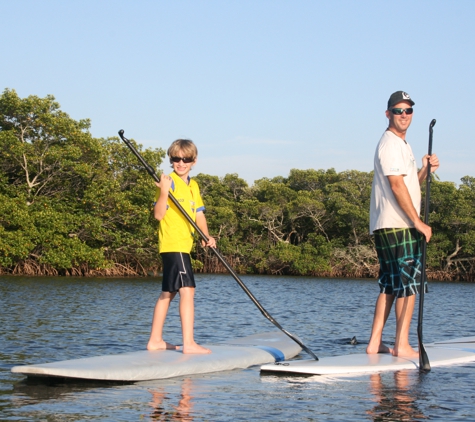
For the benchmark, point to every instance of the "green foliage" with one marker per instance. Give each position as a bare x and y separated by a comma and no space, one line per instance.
272,227
452,217
74,204
69,202
304,259
17,231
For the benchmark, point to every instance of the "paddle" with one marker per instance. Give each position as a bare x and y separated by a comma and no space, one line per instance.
216,252
424,364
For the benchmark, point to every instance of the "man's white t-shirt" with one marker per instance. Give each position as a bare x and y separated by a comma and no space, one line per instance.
393,157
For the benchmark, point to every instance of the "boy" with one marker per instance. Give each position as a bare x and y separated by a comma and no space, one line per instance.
175,242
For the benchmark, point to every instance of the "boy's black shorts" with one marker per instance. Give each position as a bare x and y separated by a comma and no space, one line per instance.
177,271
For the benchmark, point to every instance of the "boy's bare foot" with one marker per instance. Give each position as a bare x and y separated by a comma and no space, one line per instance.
195,349
407,352
379,348
161,345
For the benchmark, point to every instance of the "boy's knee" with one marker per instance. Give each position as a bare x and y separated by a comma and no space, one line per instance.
187,291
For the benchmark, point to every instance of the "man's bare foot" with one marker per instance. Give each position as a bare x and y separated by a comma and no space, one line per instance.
407,352
161,345
378,348
195,349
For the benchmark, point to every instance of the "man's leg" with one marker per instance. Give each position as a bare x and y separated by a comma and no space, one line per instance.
381,313
404,311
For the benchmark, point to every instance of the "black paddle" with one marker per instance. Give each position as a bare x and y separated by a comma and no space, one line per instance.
424,364
220,257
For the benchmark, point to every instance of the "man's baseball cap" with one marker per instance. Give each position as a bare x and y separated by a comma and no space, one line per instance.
399,96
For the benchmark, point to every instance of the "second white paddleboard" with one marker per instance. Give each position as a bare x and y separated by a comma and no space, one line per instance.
451,352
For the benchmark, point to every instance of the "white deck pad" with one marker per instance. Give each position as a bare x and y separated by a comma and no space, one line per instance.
148,365
448,352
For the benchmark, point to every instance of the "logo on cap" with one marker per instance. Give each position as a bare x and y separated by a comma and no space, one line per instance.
406,96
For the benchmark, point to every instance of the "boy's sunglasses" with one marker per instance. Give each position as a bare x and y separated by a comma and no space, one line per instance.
186,160
399,111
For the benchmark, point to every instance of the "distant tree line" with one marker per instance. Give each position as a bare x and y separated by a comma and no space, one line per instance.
71,204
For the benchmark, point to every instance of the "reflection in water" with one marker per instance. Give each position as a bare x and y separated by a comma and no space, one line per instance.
39,390
181,412
397,399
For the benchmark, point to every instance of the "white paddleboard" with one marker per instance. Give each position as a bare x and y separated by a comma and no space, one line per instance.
450,352
148,365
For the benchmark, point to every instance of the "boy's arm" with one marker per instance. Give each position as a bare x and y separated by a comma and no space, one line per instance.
203,225
160,207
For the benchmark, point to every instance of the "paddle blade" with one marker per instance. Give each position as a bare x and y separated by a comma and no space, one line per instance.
424,364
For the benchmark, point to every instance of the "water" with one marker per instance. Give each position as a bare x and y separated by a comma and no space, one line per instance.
49,319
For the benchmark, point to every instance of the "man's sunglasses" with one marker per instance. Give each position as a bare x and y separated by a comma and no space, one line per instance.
399,111
186,160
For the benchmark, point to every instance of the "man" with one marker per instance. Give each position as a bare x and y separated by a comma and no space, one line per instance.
396,225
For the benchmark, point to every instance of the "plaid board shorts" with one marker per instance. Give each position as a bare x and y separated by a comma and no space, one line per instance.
399,254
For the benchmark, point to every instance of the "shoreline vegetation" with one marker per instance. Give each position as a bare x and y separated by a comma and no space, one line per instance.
74,205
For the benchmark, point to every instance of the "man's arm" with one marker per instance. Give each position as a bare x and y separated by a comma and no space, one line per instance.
403,198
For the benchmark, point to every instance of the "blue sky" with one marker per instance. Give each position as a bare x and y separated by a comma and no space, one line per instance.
261,87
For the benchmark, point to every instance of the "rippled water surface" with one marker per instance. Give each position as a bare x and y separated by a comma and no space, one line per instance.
48,319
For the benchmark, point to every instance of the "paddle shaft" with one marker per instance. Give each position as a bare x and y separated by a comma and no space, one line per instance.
424,364
215,250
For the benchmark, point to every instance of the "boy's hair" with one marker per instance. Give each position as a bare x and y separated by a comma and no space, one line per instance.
186,146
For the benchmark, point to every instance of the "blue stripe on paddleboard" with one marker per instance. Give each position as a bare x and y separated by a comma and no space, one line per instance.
278,355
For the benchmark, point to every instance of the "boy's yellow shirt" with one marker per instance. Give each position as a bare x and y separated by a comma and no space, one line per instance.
175,233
